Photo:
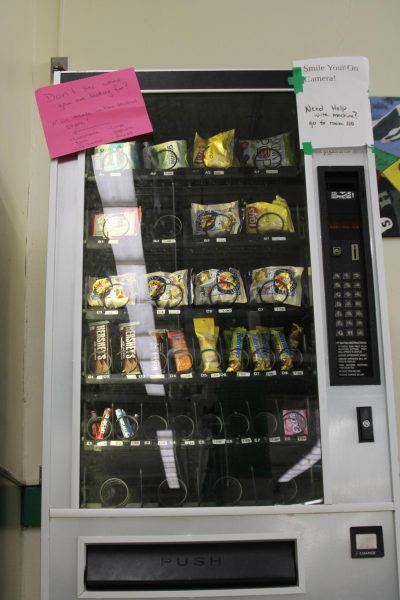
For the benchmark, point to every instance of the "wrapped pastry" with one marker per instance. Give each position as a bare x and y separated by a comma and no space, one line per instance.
215,219
215,152
219,286
168,290
112,292
268,153
180,351
276,284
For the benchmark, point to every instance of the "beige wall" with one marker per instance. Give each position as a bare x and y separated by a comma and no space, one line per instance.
99,34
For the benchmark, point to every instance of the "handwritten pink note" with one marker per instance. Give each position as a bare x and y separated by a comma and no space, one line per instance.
92,111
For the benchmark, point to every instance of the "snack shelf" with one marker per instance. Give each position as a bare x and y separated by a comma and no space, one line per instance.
195,175
165,379
292,312
241,239
131,445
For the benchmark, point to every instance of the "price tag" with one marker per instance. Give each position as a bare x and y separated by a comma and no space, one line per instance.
110,312
219,172
270,171
274,439
297,373
277,238
113,242
130,376
147,443
220,240
242,374
163,442
224,310
157,376
169,241
174,311
270,373
215,375
301,438
160,311
246,440
116,443
168,173
186,375
135,443
218,442
280,308
102,444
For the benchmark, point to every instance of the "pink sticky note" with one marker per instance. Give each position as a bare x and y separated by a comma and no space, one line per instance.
92,111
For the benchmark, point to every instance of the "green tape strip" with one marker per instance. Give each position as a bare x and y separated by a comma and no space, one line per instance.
307,148
297,80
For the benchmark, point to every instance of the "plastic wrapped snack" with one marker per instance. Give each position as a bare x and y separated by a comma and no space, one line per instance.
215,152
219,286
129,359
168,290
270,285
265,336
262,217
117,156
167,156
115,223
269,153
260,360
294,339
112,292
235,360
207,334
282,351
180,351
215,219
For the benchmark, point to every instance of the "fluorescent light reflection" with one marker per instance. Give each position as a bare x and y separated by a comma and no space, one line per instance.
166,445
304,464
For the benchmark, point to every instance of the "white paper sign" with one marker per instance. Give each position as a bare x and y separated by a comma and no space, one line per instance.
333,108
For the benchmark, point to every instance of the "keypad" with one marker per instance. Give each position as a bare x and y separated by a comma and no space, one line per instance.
348,295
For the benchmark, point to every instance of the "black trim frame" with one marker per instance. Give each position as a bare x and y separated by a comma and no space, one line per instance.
201,80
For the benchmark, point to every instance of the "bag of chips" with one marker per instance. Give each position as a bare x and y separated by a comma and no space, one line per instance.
215,219
269,153
215,152
219,286
262,217
207,334
168,290
167,156
270,285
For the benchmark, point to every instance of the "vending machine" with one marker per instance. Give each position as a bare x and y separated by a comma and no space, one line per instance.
219,414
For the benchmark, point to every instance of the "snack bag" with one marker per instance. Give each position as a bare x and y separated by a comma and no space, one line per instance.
235,360
112,292
167,156
269,153
117,156
180,351
215,152
282,350
215,219
207,335
262,217
170,289
261,362
218,286
276,284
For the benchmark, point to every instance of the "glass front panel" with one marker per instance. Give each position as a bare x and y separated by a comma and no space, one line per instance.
198,354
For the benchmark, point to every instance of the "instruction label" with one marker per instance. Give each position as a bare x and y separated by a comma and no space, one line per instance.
353,359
